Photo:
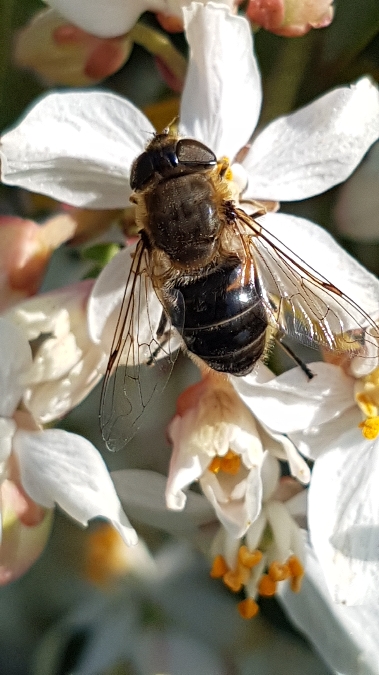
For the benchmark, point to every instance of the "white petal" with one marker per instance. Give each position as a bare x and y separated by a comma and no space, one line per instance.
115,17
222,95
76,148
235,514
142,492
15,362
66,469
298,467
309,151
291,402
322,253
108,291
187,460
345,637
344,518
357,207
105,302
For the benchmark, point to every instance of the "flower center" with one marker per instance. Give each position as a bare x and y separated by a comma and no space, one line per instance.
247,570
230,463
367,398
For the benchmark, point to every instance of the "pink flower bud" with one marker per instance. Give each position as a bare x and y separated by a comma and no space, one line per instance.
25,251
290,18
61,53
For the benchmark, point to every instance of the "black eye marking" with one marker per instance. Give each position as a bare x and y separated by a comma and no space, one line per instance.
142,171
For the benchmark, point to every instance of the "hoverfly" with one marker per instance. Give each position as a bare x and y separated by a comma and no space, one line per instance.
225,285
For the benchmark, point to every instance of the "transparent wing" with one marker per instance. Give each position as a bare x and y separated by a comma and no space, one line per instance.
143,352
301,302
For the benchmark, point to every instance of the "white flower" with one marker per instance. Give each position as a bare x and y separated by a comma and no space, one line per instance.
67,364
52,466
217,441
113,17
78,147
271,550
323,417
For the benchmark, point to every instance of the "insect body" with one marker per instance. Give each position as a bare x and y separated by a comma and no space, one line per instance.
184,209
224,282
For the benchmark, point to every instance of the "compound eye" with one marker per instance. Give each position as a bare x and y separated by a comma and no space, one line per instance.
189,151
142,171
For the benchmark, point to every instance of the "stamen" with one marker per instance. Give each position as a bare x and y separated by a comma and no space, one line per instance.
266,586
297,573
249,558
370,428
248,608
230,464
219,567
366,405
233,580
215,465
278,572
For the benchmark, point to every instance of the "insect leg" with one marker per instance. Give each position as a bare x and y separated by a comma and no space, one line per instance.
295,358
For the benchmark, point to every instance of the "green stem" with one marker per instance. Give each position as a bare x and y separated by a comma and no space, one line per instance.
283,84
6,14
158,44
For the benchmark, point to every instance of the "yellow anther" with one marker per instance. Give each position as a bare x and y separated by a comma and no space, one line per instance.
370,428
248,608
215,465
278,572
219,567
244,573
233,580
106,555
295,566
367,393
249,558
224,169
230,464
366,405
297,573
266,586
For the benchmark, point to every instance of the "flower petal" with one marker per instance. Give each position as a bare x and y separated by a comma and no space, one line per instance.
291,402
309,151
357,207
187,461
99,18
346,637
15,362
108,292
21,545
344,518
59,467
235,514
222,67
66,363
143,491
77,148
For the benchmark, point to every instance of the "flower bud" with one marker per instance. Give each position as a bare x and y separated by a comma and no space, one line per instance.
290,18
61,53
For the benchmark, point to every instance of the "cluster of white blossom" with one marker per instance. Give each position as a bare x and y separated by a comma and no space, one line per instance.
231,436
